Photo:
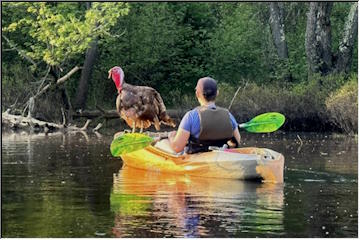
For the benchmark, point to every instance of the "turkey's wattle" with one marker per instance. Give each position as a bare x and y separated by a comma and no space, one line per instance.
139,106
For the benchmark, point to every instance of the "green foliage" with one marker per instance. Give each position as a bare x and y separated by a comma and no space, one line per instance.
163,46
169,46
15,84
62,30
295,28
238,44
304,104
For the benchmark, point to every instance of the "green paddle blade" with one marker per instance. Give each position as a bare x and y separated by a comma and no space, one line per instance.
129,142
264,123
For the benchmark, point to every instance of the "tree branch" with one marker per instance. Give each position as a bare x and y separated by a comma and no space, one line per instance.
21,52
58,82
64,78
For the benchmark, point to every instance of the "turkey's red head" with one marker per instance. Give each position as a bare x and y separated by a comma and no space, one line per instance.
117,75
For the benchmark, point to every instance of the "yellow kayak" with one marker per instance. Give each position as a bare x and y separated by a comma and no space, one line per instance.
239,163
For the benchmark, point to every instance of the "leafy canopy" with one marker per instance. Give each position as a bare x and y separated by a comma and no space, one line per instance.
60,31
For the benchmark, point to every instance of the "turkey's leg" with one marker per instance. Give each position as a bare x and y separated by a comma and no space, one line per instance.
133,127
142,126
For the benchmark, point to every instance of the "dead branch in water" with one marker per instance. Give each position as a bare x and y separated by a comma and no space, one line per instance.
97,127
237,91
20,122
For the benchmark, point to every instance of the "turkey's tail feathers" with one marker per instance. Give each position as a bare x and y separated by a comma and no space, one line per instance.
160,103
164,117
167,120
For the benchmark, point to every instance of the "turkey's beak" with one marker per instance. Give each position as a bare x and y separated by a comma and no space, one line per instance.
110,73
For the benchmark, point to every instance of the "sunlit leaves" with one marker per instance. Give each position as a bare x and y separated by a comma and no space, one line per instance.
63,30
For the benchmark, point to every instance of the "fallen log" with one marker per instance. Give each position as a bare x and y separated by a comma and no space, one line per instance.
20,122
23,134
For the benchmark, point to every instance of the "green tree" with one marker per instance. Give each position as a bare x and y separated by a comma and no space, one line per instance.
57,33
239,44
163,45
62,30
318,40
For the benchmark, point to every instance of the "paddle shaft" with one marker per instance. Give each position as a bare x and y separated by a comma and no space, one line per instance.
247,124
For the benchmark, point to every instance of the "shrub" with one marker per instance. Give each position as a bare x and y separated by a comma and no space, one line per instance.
342,106
303,104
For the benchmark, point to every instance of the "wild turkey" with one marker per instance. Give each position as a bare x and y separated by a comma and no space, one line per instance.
139,106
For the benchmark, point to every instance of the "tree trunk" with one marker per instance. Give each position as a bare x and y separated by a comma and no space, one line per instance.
318,38
277,29
346,47
86,73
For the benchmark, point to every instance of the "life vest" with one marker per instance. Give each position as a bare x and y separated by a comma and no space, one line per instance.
215,129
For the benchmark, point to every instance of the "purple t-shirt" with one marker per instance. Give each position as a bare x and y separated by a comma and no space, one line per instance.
191,122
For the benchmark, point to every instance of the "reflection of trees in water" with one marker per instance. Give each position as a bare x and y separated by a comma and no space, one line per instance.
180,206
54,180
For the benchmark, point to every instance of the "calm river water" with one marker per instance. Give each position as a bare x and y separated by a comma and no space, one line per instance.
70,186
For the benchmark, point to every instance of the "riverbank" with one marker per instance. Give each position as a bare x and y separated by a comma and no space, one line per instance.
320,105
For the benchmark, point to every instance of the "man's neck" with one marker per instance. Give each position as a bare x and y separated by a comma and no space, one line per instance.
207,103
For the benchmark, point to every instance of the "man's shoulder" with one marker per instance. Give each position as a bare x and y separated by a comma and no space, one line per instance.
192,113
189,120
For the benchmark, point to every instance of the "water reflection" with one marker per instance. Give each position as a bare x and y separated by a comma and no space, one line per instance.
153,204
56,185
69,185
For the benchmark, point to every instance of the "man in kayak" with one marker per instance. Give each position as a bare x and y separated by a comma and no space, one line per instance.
206,125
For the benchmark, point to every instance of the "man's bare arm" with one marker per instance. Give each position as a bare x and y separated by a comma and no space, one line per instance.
179,139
